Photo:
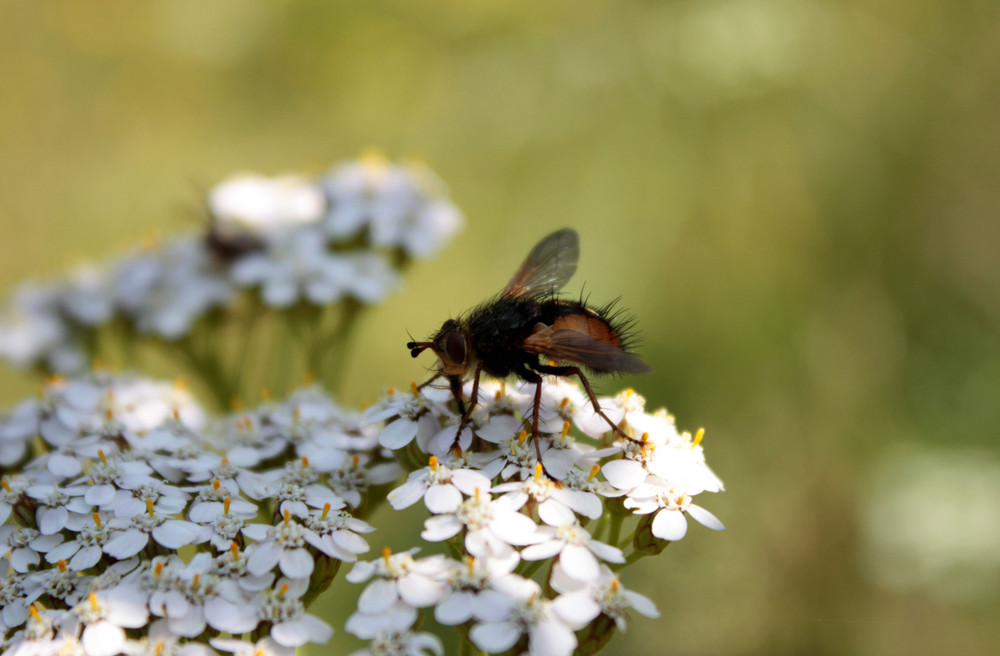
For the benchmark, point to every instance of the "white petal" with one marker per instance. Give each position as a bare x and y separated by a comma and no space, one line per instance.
455,609
420,591
441,527
555,513
514,528
705,518
551,638
103,639
378,597
407,494
176,533
296,563
222,615
642,604
494,637
542,551
442,499
669,525
469,481
579,563
398,434
576,609
624,474
126,544
85,558
263,557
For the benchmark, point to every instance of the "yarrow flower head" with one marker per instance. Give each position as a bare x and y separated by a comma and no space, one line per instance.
134,520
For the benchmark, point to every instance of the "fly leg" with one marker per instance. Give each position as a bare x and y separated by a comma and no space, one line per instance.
456,391
571,371
532,377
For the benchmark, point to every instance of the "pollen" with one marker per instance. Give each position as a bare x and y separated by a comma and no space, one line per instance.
225,505
61,565
234,548
593,472
179,384
565,429
216,484
158,569
33,609
296,413
698,437
538,471
288,517
283,591
5,484
355,460
195,580
522,437
310,378
93,602
108,414
470,563
433,463
100,454
149,507
326,510
391,391
97,519
177,413
305,461
414,389
564,403
386,552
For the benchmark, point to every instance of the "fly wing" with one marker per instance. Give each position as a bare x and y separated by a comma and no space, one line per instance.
575,347
549,266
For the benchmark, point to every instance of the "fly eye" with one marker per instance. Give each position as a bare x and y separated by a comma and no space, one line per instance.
456,347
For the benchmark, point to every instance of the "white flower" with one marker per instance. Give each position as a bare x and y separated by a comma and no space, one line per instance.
582,602
399,577
291,626
471,589
85,547
33,332
402,643
491,526
258,206
166,290
417,415
557,504
284,546
105,614
136,531
670,507
401,206
440,487
578,551
521,610
263,647
298,266
336,535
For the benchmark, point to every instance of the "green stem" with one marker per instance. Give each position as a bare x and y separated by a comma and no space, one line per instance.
616,528
332,352
208,367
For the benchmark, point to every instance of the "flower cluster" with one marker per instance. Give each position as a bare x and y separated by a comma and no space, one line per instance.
503,513
285,240
106,478
133,521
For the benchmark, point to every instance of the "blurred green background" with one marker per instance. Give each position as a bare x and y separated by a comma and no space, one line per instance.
797,199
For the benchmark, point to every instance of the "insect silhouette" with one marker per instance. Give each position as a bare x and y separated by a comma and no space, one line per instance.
527,331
